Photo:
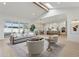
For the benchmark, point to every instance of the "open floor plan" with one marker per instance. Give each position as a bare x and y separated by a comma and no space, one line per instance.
39,29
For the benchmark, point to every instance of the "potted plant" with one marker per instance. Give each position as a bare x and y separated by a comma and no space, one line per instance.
32,27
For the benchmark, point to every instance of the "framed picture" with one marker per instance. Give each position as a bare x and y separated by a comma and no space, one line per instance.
75,25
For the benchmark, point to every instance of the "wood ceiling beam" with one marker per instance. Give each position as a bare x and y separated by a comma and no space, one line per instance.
41,5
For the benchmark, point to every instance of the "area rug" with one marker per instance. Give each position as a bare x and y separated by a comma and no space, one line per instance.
21,50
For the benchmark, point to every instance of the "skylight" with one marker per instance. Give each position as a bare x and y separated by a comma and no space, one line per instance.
49,5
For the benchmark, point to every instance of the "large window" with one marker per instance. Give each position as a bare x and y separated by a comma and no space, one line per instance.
11,26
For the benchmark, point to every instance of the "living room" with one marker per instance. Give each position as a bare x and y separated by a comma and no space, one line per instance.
39,29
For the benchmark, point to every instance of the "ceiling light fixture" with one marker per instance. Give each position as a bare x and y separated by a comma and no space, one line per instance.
4,3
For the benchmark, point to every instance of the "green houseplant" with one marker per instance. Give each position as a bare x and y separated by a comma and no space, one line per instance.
32,27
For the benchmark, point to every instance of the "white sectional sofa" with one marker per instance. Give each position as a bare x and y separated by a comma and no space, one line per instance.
18,38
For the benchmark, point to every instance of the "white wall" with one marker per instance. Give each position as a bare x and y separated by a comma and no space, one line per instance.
71,15
72,35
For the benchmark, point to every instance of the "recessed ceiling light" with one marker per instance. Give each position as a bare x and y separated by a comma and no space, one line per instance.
48,5
4,3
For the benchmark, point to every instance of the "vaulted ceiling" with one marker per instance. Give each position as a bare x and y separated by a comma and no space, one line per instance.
57,13
31,12
65,4
27,10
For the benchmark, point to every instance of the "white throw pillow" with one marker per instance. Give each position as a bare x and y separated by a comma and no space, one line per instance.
30,34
